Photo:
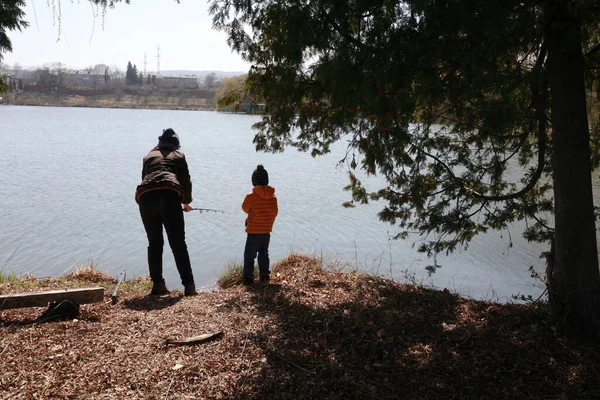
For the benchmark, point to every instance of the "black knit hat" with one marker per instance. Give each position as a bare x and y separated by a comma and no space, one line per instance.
260,177
170,136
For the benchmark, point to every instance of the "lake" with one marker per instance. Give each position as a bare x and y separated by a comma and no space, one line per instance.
67,194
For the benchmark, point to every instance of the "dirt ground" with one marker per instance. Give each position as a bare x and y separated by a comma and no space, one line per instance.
311,333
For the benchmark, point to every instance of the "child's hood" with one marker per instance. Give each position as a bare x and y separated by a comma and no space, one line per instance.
264,192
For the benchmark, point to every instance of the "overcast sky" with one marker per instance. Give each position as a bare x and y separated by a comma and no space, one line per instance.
183,32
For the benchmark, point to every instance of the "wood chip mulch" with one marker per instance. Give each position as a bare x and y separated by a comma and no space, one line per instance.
311,333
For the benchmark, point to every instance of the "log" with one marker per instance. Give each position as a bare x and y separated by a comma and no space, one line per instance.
196,339
41,299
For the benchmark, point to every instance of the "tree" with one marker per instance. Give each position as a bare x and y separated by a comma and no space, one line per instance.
106,75
131,74
4,87
58,70
11,18
140,79
116,74
148,79
209,80
233,93
443,99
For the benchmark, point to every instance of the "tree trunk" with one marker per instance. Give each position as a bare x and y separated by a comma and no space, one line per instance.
575,281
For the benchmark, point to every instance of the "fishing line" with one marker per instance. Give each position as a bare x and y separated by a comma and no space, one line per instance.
210,210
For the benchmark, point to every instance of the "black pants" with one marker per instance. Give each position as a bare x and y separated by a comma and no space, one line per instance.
158,208
256,243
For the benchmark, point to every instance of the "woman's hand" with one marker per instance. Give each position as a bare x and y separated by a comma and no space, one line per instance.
187,208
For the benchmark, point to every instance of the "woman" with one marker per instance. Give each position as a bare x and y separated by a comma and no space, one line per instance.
166,184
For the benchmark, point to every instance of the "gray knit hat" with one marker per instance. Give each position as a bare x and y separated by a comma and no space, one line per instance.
260,177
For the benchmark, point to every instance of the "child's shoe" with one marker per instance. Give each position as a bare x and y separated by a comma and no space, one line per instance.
265,278
248,282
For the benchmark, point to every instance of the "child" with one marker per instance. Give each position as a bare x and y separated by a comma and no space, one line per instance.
261,207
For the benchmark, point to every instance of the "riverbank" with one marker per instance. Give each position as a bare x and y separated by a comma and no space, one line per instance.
312,333
120,100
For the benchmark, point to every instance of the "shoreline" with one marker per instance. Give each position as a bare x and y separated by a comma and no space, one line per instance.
312,333
121,101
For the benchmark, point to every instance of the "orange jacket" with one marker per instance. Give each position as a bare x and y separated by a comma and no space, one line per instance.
261,207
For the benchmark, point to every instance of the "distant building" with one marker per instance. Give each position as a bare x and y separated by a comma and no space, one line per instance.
101,68
178,81
91,79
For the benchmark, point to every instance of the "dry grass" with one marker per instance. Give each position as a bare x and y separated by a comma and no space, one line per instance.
310,334
90,274
231,275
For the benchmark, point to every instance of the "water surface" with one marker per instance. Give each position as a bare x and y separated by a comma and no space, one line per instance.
67,195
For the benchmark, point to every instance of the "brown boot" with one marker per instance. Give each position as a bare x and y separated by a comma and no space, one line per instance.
190,290
159,289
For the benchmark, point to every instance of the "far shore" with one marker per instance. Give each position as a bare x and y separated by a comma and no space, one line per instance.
314,332
129,101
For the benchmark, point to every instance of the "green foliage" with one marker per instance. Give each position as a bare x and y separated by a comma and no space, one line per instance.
8,277
448,101
131,74
11,18
234,92
4,87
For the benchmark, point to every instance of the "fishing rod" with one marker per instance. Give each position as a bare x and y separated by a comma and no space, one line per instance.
209,210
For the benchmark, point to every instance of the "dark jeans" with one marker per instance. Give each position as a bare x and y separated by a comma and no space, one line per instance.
158,208
256,243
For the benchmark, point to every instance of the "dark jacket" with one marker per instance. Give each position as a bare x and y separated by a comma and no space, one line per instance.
166,168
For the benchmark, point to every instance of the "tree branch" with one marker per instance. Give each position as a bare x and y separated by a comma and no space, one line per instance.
539,101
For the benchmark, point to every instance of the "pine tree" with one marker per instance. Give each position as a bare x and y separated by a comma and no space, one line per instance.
444,100
130,75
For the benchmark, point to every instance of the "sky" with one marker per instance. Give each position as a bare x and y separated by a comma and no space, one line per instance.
127,32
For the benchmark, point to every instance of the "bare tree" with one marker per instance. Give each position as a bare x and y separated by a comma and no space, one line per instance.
209,80
58,69
17,68
116,76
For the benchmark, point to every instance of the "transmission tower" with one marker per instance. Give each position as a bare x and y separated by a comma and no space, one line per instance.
157,60
145,64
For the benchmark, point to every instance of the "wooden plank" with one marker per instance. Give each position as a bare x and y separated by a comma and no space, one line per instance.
196,339
41,299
